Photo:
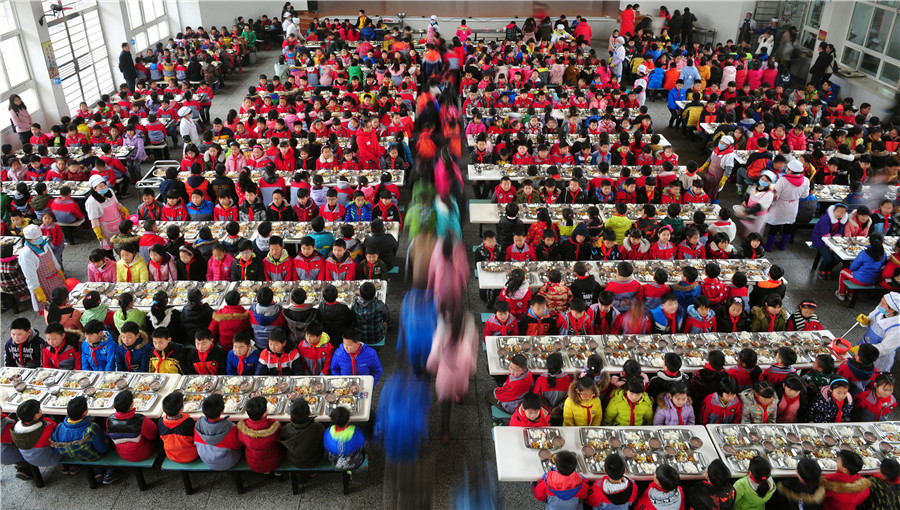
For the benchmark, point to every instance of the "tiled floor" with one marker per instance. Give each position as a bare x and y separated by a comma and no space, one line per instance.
471,446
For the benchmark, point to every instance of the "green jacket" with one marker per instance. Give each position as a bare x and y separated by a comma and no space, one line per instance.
619,411
745,497
620,225
134,315
759,320
98,313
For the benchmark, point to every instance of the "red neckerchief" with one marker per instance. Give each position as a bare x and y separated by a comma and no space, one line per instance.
678,410
603,317
94,353
575,195
649,193
673,319
771,321
244,265
491,259
671,374
161,355
631,405
605,251
22,354
576,324
127,273
734,322
127,359
765,409
840,411
240,364
353,359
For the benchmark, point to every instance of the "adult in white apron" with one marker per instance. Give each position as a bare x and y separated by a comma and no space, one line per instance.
788,191
753,211
104,211
719,165
884,330
42,271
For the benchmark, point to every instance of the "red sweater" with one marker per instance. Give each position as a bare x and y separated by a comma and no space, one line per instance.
520,420
227,322
513,389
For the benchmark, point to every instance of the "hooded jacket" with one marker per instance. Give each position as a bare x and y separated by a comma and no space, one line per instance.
532,325
574,251
706,496
631,251
828,225
133,434
100,357
135,358
661,382
67,356
26,354
217,443
227,322
261,446
316,359
621,412
177,435
665,324
33,441
364,362
856,228
686,293
825,409
81,440
561,492
745,496
242,366
713,412
263,319
843,491
657,499
754,412
696,323
860,375
795,494
302,442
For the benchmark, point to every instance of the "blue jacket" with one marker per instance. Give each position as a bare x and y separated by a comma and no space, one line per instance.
217,443
689,74
828,225
364,363
865,269
686,293
676,95
140,356
263,322
325,239
660,323
655,79
250,361
203,212
81,440
354,213
344,443
101,359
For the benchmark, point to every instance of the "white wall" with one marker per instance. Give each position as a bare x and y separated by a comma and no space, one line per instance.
207,13
723,16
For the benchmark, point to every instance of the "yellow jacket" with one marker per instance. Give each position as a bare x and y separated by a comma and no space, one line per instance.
578,413
139,271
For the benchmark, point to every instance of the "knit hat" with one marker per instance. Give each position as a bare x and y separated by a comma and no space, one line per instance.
795,166
32,232
96,180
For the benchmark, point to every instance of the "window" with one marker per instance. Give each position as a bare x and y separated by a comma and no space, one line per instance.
814,16
147,19
809,36
15,75
873,41
82,58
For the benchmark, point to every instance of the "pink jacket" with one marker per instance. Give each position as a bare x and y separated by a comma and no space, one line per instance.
219,271
235,163
453,363
474,128
107,274
448,278
21,120
164,272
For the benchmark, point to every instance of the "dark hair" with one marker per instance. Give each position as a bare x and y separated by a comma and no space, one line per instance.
788,356
28,410
340,416
531,401
213,406
634,385
890,470
727,385
760,471
173,404
716,359
672,362
299,411
719,474
256,408
76,408
614,465
566,462
851,461
519,360
123,401
668,477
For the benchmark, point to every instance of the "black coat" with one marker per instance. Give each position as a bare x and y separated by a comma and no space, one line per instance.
126,65
254,272
822,62
194,71
386,245
194,318
336,318
675,24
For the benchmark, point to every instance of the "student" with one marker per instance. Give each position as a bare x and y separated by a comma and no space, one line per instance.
265,315
706,380
662,249
834,404
355,358
562,487
802,492
884,488
32,435
176,429
722,406
674,407
655,290
583,407
663,491
668,317
302,437
793,405
555,292
372,268
167,357
624,287
700,317
243,357
822,371
345,443
62,350
79,438
519,250
584,286
878,403
508,396
98,351
335,316
845,488
746,372
538,321
830,225
774,285
134,349
216,436
665,378
860,370
754,490
25,345
614,491
229,320
805,318
785,358
759,404
738,288
206,358
547,249
770,316
629,405
516,293
132,433
716,491
688,289
259,436
577,246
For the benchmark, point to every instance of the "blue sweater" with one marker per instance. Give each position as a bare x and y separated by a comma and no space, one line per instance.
250,362
365,363
865,269
100,359
140,357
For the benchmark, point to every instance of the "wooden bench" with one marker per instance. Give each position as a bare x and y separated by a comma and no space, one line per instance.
295,474
113,460
70,231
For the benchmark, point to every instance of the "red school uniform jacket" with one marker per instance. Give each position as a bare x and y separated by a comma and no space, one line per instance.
714,290
525,254
513,389
520,420
494,327
64,358
261,445
504,197
844,491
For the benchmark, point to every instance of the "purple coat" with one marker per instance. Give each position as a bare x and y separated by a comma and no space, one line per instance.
828,225
667,414
137,142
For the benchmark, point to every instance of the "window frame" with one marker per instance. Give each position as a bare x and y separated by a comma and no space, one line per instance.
892,14
96,64
144,27
27,83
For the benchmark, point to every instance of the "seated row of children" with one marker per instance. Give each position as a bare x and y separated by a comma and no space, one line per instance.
36,439
321,257
564,487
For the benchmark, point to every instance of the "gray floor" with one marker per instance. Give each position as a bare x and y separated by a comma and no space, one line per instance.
470,447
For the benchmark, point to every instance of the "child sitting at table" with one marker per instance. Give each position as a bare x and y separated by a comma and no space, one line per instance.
670,374
822,371
259,436
723,405
79,438
126,235
98,351
31,435
167,357
562,484
101,268
538,320
345,443
747,371
206,358
614,491
755,489
700,317
131,268
629,405
501,323
770,316
243,357
216,436
547,249
64,207
302,437
314,352
877,403
176,429
805,318
674,407
759,404
508,396
516,293
133,444
530,413
134,349
860,370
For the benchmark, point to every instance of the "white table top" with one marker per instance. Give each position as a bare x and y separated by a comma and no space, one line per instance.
518,463
489,213
834,193
173,381
839,247
495,172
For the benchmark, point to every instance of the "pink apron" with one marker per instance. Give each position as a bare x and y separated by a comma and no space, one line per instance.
47,273
109,221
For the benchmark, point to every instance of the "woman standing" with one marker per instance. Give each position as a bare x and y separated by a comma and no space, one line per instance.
452,360
883,328
21,119
788,191
720,164
104,211
42,271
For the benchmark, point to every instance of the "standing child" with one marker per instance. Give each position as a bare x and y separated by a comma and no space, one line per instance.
754,490
860,369
845,488
53,234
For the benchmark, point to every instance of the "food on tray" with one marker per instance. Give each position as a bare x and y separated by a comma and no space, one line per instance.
198,384
270,385
191,407
43,378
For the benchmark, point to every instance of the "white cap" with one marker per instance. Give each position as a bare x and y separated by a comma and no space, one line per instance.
32,232
295,20
727,140
96,180
795,166
433,17
642,69
560,27
892,299
184,110
774,20
620,40
770,175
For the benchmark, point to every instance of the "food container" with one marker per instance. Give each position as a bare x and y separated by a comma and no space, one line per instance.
275,404
113,380
271,385
738,459
235,403
537,438
29,393
316,402
890,431
148,382
643,463
599,438
308,385
332,400
61,399
12,375
811,434
785,457
102,399
198,383
236,384
735,435
46,378
342,386
688,463
594,459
